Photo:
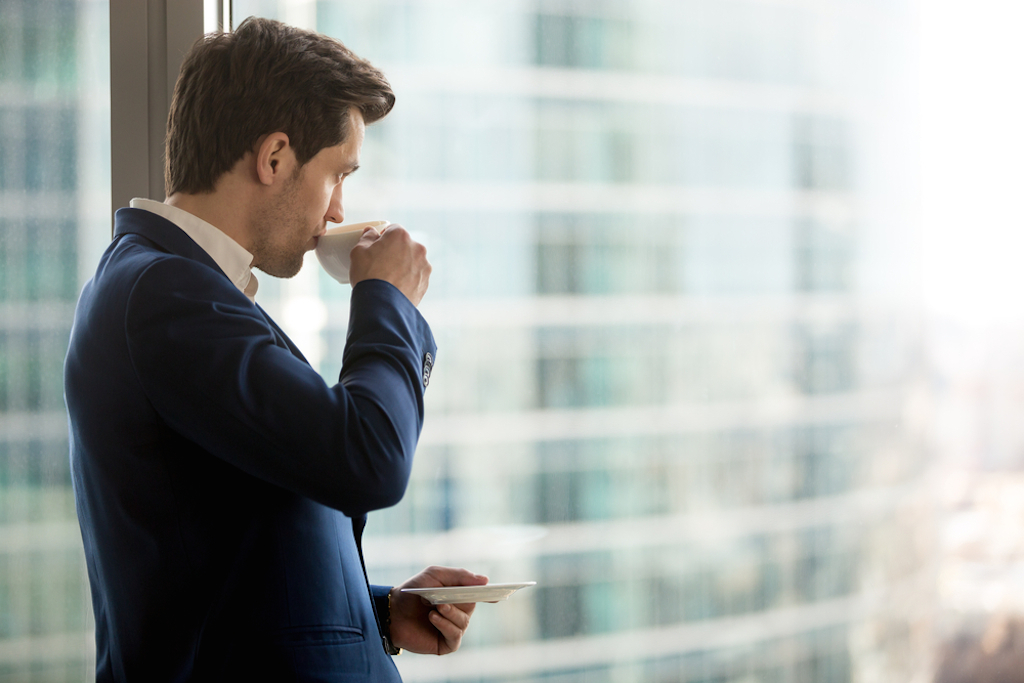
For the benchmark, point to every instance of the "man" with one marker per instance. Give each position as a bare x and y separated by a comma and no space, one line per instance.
221,485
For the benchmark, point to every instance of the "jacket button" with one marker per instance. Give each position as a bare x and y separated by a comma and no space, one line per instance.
428,364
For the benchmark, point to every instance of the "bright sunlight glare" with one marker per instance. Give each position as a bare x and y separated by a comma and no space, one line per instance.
972,160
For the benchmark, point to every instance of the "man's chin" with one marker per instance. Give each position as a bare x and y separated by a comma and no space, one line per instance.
281,270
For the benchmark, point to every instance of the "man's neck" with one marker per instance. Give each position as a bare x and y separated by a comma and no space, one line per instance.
220,209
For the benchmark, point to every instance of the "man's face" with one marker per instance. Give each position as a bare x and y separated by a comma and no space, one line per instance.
307,201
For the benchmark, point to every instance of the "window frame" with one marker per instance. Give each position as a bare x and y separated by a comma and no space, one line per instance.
148,40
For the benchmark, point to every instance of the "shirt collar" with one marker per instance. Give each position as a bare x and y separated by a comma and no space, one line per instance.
230,256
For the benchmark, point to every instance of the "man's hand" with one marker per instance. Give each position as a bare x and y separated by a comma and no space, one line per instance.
393,257
427,629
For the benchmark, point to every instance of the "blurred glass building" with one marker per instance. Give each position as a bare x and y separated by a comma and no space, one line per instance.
673,296
54,215
678,343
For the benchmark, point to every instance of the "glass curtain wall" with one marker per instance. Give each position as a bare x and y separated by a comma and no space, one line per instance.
54,216
678,346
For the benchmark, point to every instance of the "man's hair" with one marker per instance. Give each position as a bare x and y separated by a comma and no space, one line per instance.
265,77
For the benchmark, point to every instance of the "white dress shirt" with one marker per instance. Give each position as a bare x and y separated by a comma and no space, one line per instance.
230,256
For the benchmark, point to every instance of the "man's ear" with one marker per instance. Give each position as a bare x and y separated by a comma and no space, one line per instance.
275,158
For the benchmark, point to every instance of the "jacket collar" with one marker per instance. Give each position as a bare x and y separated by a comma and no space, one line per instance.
170,238
161,232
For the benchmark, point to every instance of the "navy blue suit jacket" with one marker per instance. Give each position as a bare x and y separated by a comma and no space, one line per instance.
221,484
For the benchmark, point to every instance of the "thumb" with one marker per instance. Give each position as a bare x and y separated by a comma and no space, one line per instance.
453,576
370,235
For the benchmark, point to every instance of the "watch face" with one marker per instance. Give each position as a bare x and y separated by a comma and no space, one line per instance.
389,647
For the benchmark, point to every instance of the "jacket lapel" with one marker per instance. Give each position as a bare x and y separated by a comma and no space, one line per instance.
163,233
170,238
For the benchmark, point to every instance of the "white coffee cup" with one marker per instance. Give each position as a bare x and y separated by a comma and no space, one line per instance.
334,248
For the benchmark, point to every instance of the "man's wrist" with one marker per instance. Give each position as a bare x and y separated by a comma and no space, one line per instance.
389,646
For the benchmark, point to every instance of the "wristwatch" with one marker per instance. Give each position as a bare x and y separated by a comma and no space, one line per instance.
389,647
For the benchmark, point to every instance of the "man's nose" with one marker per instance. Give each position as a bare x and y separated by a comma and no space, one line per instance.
335,212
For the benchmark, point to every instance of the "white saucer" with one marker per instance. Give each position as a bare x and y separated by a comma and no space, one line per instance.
458,594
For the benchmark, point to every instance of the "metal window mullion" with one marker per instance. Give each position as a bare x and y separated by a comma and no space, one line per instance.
225,19
148,39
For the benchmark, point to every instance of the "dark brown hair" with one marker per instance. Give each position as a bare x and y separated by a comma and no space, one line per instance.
265,77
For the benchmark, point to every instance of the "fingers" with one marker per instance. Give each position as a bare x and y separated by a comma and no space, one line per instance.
455,576
393,257
454,615
369,235
394,232
418,626
451,622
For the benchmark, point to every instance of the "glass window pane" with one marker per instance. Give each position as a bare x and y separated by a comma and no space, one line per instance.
673,354
54,219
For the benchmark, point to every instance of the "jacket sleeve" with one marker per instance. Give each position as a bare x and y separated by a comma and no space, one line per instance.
210,364
381,608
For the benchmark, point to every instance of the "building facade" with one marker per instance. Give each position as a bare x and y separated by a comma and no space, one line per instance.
54,135
678,350
678,346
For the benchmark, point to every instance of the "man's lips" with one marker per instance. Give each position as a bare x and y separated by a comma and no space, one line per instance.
318,235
